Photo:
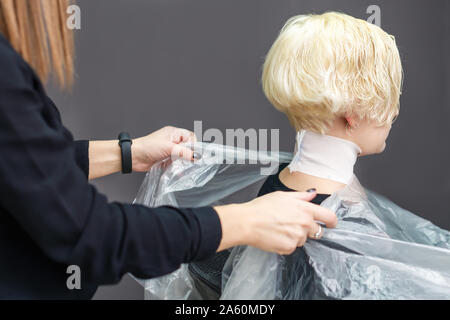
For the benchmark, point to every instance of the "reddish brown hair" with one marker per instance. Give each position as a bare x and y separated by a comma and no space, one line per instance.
37,30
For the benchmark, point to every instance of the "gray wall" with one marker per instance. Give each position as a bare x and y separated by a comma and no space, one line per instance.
145,64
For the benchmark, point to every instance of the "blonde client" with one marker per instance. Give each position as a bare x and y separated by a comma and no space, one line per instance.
338,79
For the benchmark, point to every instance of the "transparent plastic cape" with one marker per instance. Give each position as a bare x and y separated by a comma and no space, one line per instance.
377,251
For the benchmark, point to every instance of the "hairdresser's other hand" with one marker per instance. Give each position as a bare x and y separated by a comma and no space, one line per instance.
278,222
160,145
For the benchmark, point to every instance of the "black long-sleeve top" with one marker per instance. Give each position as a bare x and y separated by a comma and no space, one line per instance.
51,217
207,274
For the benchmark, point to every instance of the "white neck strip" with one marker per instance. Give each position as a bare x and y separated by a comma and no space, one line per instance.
324,156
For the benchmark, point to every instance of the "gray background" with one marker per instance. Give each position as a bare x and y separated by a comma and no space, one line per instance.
143,64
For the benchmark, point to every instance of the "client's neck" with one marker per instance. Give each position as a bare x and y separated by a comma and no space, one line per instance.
320,161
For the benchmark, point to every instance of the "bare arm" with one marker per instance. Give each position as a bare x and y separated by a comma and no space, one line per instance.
104,158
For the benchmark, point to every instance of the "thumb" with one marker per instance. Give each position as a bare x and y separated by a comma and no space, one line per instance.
308,195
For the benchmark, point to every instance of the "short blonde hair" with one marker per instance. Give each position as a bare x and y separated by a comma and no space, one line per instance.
329,65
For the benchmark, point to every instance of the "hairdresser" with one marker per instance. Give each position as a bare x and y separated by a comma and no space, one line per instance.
52,218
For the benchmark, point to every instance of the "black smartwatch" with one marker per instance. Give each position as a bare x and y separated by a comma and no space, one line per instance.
125,143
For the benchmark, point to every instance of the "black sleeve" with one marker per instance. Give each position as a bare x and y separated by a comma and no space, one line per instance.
82,155
47,193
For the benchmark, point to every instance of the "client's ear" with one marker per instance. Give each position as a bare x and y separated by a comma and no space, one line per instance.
351,121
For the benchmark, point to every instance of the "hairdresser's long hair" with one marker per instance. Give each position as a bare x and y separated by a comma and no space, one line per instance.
37,30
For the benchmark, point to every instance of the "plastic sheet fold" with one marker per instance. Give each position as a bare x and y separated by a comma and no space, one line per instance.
377,251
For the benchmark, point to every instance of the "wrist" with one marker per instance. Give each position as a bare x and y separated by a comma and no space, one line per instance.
236,225
135,149
247,222
138,158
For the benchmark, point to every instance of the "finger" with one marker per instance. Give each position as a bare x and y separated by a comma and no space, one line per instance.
316,231
183,135
322,214
165,164
305,196
319,213
192,137
301,241
179,151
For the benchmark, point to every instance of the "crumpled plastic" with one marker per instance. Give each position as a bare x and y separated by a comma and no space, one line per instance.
377,251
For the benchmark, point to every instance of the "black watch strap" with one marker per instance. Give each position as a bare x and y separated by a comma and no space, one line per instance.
125,143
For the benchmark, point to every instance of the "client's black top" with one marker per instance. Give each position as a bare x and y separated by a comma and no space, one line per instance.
51,217
207,274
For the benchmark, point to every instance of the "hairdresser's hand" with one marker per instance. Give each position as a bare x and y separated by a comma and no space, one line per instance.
278,222
160,145
105,156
